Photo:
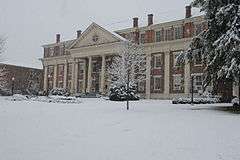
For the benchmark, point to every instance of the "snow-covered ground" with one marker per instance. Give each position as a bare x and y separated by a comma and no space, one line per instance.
97,129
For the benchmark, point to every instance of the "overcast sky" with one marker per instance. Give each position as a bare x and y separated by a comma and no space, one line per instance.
28,24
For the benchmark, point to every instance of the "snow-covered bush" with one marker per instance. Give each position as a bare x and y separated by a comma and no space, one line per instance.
59,92
5,92
197,100
121,93
56,99
18,97
235,102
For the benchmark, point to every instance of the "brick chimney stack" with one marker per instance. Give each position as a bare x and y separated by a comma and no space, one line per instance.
188,11
135,22
79,32
150,19
58,38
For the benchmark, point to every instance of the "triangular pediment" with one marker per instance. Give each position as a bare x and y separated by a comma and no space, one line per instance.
95,35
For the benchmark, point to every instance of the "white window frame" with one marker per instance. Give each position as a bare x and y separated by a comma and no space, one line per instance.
155,61
178,32
174,58
154,82
180,86
197,64
144,41
195,86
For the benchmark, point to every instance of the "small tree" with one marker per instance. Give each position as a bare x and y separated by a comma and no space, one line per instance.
127,69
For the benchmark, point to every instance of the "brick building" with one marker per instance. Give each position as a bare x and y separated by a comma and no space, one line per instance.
25,79
79,65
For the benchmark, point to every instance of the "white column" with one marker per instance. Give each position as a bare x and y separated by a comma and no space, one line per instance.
73,77
148,76
103,74
187,78
45,82
76,77
235,90
55,77
167,73
65,76
84,77
89,82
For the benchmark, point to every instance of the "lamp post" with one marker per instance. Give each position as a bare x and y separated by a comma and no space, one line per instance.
49,76
13,80
192,89
128,77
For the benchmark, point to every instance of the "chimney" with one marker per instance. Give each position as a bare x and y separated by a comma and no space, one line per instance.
188,11
58,38
79,32
135,22
150,19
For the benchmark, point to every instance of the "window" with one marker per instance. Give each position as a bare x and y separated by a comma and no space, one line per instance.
158,61
169,34
51,52
60,75
175,55
198,82
69,71
199,28
95,66
141,86
50,71
177,82
142,38
81,67
56,51
198,60
178,32
69,75
157,83
160,36
46,52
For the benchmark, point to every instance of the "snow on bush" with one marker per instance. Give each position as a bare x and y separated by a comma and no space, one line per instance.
49,99
59,92
17,97
235,102
197,100
121,94
56,99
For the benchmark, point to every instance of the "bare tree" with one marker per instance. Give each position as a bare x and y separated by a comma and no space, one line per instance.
3,79
3,71
2,45
128,68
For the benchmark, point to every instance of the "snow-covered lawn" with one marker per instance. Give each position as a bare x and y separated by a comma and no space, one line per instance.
97,129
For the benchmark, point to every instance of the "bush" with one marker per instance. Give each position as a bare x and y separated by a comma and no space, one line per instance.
198,100
5,92
59,92
121,94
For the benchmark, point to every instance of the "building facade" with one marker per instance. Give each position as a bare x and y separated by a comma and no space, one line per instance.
22,80
80,65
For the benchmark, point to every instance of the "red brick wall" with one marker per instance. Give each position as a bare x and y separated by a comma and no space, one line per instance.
150,36
22,76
